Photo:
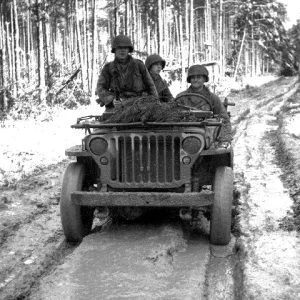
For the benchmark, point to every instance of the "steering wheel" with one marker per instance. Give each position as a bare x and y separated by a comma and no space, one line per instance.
194,101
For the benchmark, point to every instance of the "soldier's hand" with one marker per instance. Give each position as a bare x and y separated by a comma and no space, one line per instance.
108,99
223,143
99,101
117,103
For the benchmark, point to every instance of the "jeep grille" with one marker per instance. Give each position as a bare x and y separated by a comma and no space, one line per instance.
145,159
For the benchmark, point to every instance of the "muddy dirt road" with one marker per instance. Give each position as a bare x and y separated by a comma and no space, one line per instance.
158,257
150,259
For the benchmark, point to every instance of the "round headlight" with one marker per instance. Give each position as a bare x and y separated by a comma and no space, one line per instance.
98,146
191,145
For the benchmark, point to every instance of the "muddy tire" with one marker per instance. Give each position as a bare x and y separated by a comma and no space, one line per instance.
76,220
220,224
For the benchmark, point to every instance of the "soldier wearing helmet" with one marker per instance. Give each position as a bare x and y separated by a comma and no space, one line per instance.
124,77
197,76
155,64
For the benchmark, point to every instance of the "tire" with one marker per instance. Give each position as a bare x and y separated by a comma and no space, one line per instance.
76,220
220,224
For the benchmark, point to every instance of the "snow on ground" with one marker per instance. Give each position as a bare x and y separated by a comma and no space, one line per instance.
40,143
271,254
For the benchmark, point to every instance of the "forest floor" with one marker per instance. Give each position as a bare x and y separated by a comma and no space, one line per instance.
266,121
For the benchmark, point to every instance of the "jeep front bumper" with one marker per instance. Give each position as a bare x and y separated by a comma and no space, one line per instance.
204,198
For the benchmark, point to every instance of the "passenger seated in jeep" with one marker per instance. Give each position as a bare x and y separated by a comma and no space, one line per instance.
155,64
197,76
125,77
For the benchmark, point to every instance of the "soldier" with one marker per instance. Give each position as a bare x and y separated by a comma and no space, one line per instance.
155,64
197,76
125,77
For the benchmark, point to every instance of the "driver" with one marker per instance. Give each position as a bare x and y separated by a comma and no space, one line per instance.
197,76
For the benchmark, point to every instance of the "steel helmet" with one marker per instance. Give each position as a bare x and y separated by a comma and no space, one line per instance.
197,70
152,59
121,41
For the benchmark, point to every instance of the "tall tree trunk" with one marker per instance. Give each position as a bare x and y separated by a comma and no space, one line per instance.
148,43
252,51
257,60
182,53
95,51
41,66
239,56
208,42
87,45
2,90
28,44
2,51
221,58
192,34
3,80
187,26
13,56
177,58
246,59
47,50
165,29
140,32
298,63
17,45
79,48
160,28
9,53
134,24
126,16
68,53
116,17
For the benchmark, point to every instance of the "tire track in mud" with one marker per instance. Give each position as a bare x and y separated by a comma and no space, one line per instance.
287,144
268,253
136,260
28,253
233,261
31,236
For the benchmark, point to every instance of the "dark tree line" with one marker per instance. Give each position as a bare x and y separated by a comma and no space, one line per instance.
43,43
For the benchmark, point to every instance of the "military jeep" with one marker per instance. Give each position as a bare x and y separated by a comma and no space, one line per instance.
128,168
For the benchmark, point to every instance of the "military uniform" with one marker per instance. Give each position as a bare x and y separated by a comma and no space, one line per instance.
160,84
162,88
128,80
217,108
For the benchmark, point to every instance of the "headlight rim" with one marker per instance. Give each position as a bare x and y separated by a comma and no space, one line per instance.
198,147
103,148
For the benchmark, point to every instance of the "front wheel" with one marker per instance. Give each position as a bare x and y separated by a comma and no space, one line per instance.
220,224
76,220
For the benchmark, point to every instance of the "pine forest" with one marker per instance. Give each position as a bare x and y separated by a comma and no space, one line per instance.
51,51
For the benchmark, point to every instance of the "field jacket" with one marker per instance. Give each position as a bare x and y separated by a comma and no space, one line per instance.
162,89
124,81
218,109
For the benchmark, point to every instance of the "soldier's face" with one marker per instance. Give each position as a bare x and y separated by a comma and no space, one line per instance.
156,68
121,53
197,81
